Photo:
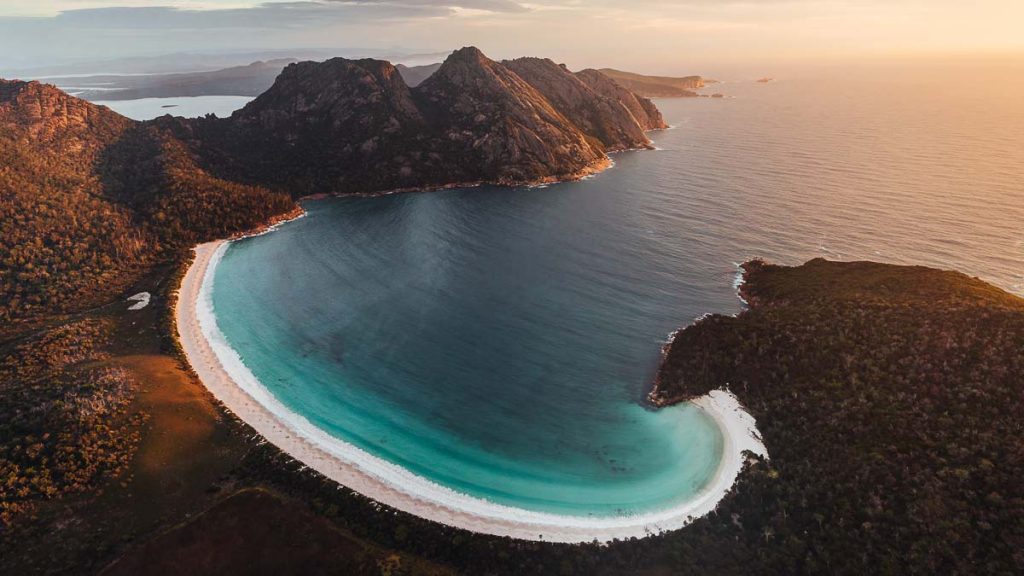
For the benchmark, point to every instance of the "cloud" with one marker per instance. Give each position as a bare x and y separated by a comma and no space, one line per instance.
484,5
273,15
639,33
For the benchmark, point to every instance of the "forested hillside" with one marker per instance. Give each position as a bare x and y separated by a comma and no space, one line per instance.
89,199
890,399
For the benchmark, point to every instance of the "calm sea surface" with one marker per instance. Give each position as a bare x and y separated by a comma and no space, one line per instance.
186,106
500,341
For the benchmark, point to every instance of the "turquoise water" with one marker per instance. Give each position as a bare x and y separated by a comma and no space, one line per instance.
500,341
461,336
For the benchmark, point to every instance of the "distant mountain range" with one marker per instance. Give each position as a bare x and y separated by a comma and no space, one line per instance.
85,185
250,80
415,75
255,78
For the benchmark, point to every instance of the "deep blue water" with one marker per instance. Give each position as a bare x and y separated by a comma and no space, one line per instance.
499,341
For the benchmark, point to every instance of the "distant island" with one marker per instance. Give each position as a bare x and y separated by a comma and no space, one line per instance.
249,80
257,77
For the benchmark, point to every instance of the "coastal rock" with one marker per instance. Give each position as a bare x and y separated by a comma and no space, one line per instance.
499,128
599,116
643,110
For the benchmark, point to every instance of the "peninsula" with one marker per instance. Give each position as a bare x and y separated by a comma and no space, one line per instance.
888,397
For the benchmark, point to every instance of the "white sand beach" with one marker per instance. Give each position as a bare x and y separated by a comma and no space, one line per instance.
224,374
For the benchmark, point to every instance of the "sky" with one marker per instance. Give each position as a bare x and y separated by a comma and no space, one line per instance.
652,36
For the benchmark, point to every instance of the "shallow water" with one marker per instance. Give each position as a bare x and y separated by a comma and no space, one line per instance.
500,341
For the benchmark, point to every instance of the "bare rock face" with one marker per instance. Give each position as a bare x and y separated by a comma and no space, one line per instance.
51,121
599,116
643,110
342,126
499,128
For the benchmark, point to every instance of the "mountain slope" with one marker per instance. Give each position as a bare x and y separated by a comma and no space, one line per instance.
355,126
340,126
643,110
88,198
597,115
59,236
415,75
499,128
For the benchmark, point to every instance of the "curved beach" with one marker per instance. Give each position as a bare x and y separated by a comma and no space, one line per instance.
224,374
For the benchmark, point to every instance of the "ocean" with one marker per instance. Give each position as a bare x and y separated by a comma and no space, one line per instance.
186,106
499,342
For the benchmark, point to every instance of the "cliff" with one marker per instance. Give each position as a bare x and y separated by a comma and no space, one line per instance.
646,114
52,122
599,116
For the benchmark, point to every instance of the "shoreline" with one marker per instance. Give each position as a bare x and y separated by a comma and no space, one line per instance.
226,377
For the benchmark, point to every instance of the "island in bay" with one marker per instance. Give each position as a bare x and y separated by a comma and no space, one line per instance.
246,337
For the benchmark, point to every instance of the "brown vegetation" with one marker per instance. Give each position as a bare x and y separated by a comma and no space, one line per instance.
64,422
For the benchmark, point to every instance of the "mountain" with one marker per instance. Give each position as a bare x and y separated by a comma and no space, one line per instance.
415,75
599,116
656,86
499,127
355,126
646,114
90,198
58,234
250,80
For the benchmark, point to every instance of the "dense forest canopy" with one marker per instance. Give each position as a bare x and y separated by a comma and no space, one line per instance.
890,399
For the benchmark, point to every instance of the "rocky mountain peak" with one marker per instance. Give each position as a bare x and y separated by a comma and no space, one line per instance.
43,113
602,116
334,90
